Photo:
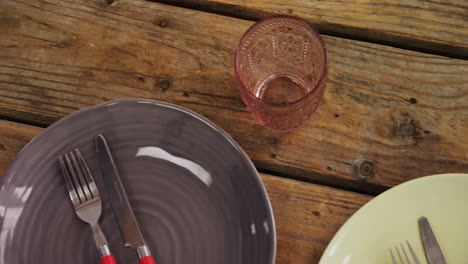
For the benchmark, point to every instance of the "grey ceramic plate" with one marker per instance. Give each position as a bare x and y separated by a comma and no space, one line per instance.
195,193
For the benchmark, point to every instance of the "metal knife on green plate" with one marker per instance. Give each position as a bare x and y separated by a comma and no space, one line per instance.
432,248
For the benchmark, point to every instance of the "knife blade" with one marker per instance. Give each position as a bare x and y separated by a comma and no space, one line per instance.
433,251
121,207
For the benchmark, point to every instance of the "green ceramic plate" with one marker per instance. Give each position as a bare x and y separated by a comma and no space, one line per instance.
391,218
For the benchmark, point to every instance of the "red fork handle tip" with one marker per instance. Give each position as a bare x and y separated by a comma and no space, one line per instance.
109,259
147,260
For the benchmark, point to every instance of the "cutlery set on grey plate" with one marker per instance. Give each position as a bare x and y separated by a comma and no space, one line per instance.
195,194
85,197
432,249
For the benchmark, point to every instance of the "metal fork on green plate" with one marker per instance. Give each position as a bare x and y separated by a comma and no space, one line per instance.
401,255
432,249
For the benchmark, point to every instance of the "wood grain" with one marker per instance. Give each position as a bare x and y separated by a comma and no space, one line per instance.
434,26
388,115
307,215
13,137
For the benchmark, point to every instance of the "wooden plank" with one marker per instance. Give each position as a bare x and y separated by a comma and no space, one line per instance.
307,215
435,26
388,115
13,137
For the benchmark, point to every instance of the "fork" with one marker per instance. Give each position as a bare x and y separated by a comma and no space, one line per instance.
403,255
85,198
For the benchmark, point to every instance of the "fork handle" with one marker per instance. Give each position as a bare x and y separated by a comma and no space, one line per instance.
144,255
105,254
109,259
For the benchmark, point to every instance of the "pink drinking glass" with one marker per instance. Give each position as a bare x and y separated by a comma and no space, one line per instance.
281,66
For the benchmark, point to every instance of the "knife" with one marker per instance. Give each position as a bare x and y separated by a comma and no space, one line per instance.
121,208
433,251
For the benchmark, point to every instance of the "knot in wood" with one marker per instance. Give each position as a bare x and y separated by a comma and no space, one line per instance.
406,130
366,169
164,84
163,23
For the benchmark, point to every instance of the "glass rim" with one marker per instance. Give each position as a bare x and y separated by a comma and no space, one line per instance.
254,27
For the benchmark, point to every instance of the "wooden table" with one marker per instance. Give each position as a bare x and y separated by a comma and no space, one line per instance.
395,107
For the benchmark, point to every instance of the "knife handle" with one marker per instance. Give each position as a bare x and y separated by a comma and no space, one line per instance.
109,259
147,260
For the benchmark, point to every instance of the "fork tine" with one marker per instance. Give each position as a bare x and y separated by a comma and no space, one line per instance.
88,175
413,254
393,257
404,253
68,182
73,176
79,173
399,256
403,256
